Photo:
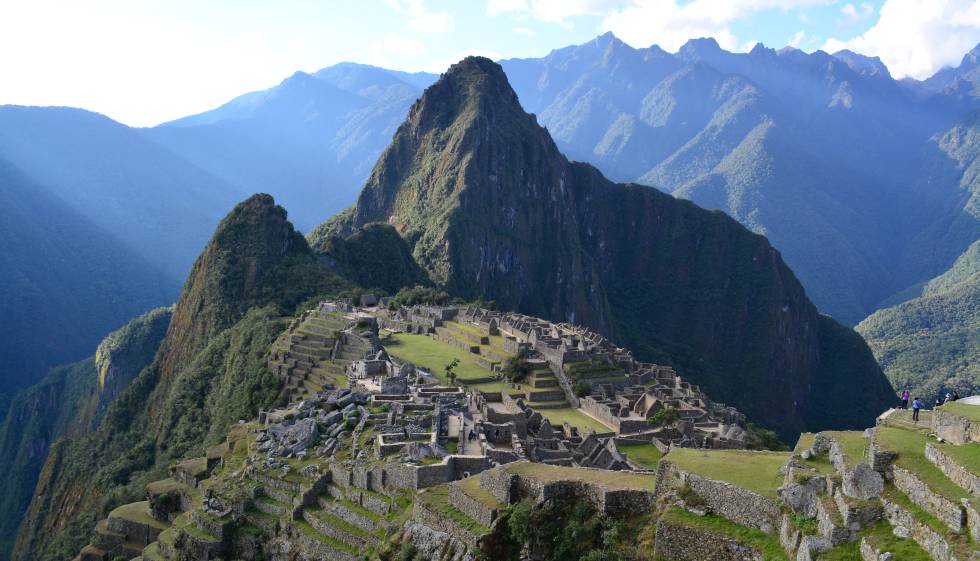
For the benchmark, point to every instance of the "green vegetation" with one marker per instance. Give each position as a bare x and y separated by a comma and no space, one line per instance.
432,355
971,412
417,295
767,544
756,471
375,257
931,344
516,369
910,446
644,455
608,479
664,417
68,402
881,537
437,498
853,444
209,372
568,530
573,417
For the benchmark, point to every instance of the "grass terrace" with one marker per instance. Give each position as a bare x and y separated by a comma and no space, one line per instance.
645,455
854,444
966,455
574,417
138,512
752,470
767,544
432,355
471,485
881,537
437,498
911,446
821,463
971,412
604,478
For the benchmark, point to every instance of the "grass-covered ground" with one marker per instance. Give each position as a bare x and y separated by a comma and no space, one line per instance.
767,544
820,463
854,444
609,479
645,455
971,412
911,446
429,354
574,417
753,470
882,537
471,485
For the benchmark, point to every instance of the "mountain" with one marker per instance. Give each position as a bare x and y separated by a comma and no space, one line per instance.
208,372
67,402
156,203
310,140
826,155
67,282
931,344
491,209
839,165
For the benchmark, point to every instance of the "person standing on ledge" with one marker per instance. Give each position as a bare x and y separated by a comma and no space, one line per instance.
916,405
905,399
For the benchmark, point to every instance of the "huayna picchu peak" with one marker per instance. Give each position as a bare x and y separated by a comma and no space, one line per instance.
492,210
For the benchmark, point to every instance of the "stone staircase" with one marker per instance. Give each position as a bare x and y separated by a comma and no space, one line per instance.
312,354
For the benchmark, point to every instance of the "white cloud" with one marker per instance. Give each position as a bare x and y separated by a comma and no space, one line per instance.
420,18
854,14
394,51
670,23
526,31
554,11
797,39
915,38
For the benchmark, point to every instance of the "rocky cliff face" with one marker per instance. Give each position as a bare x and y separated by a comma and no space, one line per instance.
493,210
209,371
66,404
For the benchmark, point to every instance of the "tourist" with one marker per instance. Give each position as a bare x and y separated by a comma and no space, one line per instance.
905,399
916,405
949,396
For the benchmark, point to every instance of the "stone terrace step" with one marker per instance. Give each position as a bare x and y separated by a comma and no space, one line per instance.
338,528
352,513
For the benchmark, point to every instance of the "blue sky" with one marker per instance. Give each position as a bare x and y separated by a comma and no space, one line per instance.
143,62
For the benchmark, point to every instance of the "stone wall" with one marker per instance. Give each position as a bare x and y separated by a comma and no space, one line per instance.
956,429
436,521
477,510
950,513
681,543
954,471
734,503
929,540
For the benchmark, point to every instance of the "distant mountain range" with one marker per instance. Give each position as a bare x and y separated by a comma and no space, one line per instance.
931,343
865,184
842,167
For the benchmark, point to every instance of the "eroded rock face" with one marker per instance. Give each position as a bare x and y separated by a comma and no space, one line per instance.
863,483
802,497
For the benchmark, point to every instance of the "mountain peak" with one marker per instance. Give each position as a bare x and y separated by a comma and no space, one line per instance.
699,47
240,267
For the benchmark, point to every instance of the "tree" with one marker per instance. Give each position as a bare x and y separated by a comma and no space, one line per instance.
451,370
516,369
582,388
664,417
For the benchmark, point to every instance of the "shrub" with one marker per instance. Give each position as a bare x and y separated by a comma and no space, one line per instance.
582,388
664,417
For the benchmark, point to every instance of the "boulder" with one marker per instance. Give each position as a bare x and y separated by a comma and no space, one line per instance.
863,483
